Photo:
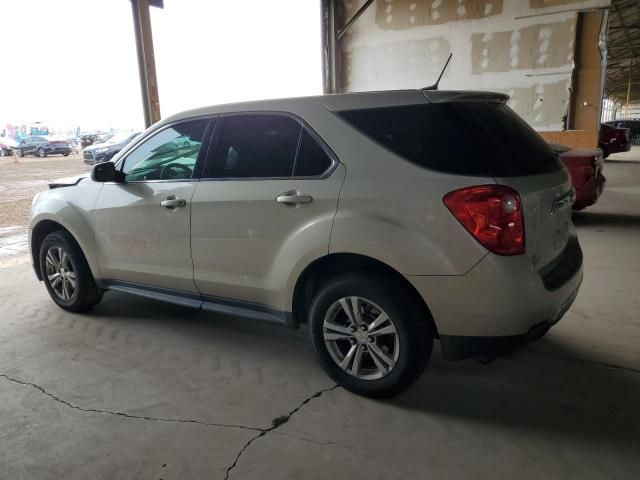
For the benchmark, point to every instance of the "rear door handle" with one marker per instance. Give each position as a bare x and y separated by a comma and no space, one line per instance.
294,198
173,202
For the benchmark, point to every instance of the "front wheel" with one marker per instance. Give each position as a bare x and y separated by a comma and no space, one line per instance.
21,153
370,335
66,273
41,152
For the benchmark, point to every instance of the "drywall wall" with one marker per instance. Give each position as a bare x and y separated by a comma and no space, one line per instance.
524,48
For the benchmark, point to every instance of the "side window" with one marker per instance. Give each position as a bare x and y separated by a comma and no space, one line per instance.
170,154
257,146
312,159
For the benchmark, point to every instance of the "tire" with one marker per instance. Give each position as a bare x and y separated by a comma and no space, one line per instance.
65,154
62,246
409,346
41,153
21,153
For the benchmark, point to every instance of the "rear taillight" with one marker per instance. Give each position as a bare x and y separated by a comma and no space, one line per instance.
492,214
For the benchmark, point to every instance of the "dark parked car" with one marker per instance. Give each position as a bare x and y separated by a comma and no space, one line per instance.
42,146
88,139
632,125
103,152
613,140
7,146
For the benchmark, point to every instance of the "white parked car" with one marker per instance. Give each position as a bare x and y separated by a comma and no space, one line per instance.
383,221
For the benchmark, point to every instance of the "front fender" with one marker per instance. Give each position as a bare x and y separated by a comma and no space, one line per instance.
72,208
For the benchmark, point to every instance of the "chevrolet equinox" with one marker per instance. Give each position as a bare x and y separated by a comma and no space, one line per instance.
381,220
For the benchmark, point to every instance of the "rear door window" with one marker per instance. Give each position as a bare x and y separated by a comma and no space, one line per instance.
257,146
464,138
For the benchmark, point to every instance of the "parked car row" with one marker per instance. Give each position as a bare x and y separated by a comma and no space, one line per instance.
105,151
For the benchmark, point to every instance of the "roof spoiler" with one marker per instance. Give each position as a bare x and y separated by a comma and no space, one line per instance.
464,96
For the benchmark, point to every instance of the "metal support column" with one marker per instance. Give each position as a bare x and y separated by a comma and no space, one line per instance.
146,60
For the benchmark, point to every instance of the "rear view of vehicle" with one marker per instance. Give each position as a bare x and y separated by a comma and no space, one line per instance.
585,168
473,209
613,140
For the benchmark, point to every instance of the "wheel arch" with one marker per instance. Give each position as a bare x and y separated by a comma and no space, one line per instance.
334,264
38,233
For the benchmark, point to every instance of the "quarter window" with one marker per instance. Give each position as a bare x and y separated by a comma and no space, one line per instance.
257,146
312,159
170,154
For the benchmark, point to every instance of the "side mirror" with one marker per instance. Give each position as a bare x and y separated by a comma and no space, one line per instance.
106,172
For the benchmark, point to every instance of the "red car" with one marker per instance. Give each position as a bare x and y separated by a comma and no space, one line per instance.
585,167
613,140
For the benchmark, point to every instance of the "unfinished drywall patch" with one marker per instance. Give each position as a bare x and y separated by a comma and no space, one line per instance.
402,14
394,65
541,105
537,46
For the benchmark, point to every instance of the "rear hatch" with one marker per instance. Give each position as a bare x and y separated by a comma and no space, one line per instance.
477,134
517,157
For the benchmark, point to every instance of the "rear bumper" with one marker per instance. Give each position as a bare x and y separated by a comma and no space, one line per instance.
589,192
501,303
614,147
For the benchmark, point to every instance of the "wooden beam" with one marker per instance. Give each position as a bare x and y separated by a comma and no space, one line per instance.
146,61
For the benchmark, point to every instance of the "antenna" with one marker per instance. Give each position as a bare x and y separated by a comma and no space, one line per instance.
435,85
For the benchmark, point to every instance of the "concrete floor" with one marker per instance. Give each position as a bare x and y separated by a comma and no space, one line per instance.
144,390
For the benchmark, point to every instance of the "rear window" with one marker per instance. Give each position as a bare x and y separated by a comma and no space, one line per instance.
465,138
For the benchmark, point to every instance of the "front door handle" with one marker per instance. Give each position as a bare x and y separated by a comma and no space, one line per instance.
173,202
294,198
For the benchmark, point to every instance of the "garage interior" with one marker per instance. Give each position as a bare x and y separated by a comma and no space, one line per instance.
140,389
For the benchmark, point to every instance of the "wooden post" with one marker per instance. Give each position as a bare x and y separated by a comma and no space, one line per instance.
146,61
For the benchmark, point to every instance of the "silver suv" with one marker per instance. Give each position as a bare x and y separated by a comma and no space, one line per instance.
382,220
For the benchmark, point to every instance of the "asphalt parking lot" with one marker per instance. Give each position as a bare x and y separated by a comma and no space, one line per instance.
144,390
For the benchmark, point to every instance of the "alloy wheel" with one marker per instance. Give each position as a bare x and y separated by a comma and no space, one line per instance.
60,273
361,338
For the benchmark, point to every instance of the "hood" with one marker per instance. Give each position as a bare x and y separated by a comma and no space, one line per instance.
67,181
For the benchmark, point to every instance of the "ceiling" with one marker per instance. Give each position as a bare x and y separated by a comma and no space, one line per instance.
623,47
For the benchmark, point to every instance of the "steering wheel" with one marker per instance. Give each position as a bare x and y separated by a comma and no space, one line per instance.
173,170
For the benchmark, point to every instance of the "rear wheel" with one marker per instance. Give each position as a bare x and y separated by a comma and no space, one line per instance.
635,140
370,336
20,153
66,274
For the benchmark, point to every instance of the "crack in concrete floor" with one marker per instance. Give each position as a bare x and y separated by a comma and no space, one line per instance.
123,414
261,432
275,424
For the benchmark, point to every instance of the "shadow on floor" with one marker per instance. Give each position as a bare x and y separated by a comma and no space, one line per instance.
597,219
543,393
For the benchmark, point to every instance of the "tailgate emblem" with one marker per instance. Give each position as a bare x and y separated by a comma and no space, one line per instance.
562,201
